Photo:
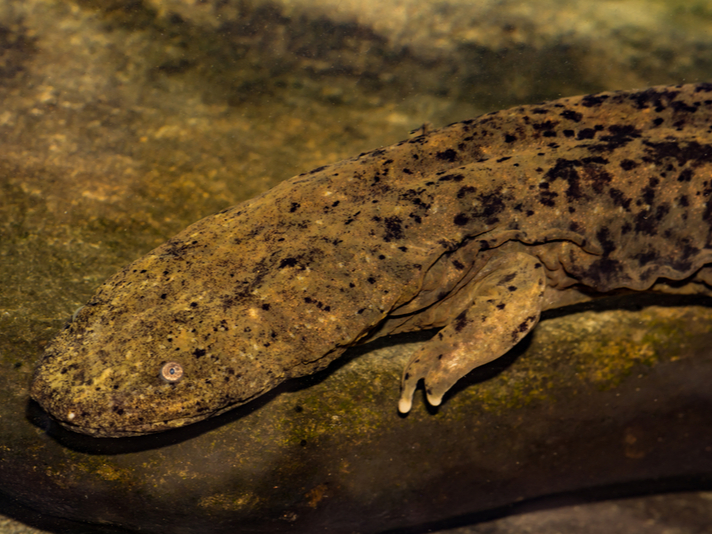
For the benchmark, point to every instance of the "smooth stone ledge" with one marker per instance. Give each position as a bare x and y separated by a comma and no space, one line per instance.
618,400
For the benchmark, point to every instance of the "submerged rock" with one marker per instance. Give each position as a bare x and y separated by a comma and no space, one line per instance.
612,398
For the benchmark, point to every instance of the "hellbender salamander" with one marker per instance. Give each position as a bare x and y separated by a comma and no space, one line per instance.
475,228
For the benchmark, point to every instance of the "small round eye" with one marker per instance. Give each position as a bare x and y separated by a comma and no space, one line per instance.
172,372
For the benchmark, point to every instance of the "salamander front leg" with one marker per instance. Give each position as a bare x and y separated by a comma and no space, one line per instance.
505,306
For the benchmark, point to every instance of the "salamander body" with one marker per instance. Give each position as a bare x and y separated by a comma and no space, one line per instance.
474,228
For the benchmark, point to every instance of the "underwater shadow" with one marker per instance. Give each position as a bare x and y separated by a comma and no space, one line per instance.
640,488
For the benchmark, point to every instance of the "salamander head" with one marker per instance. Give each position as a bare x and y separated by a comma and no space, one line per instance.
150,353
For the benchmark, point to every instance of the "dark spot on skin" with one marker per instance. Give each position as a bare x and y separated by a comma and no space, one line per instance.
649,191
265,307
509,138
682,107
491,205
461,219
164,295
507,279
628,164
294,207
394,229
604,269
500,160
572,115
352,218
447,155
523,327
547,197
414,196
619,198
500,306
619,136
597,176
371,280
688,251
193,304
653,98
287,262
546,127
465,190
574,226
512,288
646,221
199,352
685,176
604,238
586,133
565,170
646,257
680,151
590,101
461,321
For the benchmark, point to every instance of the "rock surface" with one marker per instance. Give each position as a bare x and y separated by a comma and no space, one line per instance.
122,122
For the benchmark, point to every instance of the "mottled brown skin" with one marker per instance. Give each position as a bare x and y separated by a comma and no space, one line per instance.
475,227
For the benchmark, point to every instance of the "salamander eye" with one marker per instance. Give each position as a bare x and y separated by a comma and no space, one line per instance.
171,372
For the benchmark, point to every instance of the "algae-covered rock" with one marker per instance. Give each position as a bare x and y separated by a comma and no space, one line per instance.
122,122
596,399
